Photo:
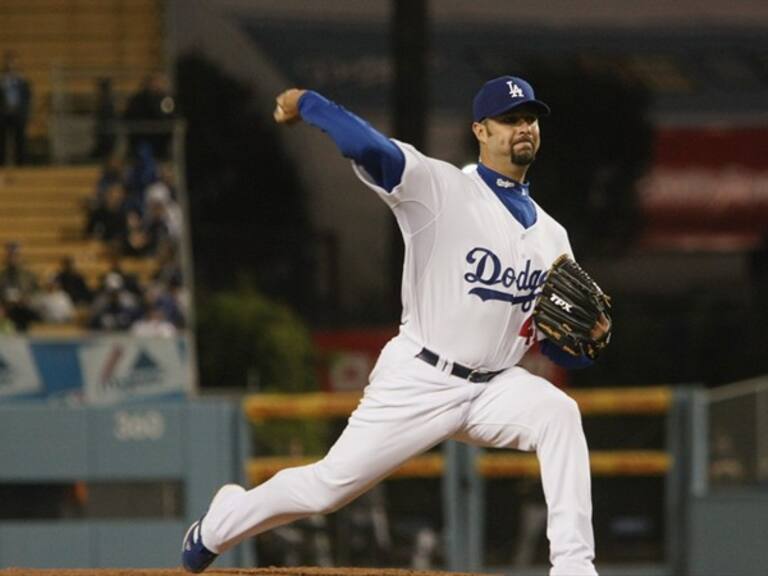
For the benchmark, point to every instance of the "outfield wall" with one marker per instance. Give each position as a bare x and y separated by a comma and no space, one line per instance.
187,449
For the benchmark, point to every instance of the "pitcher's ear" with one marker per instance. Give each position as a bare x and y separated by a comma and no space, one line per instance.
480,130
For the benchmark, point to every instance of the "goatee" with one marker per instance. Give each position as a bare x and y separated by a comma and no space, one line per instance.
523,158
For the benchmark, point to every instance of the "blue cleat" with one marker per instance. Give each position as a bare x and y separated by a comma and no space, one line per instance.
195,557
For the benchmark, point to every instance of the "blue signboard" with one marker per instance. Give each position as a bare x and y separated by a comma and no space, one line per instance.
94,370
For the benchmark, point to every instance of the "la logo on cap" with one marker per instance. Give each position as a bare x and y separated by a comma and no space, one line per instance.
514,90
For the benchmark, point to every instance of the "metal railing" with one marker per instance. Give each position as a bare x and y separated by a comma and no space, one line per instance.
732,433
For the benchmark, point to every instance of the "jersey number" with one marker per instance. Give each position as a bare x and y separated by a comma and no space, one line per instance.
528,331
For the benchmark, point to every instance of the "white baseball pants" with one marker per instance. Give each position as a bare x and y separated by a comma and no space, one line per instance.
409,407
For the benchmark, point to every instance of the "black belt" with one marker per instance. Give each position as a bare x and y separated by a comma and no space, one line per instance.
457,369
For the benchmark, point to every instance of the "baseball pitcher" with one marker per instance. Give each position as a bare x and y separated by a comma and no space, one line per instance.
487,273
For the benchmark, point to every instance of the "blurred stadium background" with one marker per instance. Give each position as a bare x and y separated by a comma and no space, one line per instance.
190,297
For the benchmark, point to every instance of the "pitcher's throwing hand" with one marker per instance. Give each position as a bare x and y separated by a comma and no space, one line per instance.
287,106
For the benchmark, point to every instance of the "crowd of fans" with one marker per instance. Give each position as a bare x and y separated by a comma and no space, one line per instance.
133,213
119,301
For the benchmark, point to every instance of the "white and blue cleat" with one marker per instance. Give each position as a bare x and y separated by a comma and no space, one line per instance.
195,557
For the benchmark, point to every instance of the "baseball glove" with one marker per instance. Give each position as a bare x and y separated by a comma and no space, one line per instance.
572,311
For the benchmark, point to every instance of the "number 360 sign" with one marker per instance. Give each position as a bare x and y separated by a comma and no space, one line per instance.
139,425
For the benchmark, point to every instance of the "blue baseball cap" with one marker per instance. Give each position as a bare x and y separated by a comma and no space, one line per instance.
503,94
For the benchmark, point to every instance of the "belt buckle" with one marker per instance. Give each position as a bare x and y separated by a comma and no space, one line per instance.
472,374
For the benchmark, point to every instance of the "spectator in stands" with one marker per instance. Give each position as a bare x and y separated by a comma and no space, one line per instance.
105,125
53,305
15,276
73,282
141,173
109,220
154,324
168,269
15,103
6,324
157,225
178,304
115,307
164,190
149,111
19,309
129,281
112,172
138,242
164,182
170,300
17,286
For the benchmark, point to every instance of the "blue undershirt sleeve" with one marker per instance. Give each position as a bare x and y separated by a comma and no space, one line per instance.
562,358
355,138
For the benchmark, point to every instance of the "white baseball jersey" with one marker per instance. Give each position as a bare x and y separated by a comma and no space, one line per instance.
471,270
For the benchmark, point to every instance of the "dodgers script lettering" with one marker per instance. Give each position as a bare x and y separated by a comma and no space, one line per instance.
489,271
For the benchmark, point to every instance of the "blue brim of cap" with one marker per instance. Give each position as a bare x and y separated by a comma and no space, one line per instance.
537,105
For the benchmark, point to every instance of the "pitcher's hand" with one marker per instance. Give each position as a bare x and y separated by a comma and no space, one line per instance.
287,106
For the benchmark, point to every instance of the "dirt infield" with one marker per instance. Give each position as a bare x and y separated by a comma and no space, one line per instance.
302,571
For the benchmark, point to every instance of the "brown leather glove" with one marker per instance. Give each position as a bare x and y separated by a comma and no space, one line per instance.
572,311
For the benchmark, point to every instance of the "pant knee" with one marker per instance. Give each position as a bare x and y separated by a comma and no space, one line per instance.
563,411
331,491
328,500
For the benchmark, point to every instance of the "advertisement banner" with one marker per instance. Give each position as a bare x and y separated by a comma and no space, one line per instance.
707,189
19,377
116,369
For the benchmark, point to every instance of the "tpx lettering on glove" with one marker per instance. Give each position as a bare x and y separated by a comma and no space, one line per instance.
560,302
